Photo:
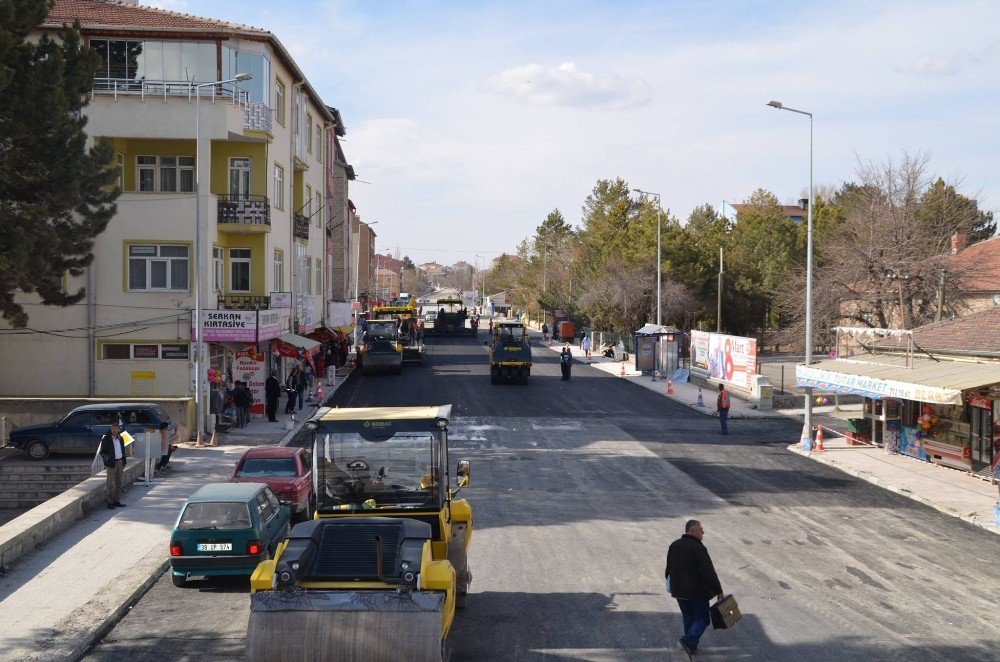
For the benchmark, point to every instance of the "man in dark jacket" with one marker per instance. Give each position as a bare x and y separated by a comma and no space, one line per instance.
244,400
272,391
113,454
692,581
566,362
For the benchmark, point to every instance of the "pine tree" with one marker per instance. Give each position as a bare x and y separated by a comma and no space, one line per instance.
56,194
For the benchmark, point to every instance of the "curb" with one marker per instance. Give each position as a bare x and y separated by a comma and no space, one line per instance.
878,482
291,434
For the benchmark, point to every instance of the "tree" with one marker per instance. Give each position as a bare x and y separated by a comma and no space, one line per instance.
56,195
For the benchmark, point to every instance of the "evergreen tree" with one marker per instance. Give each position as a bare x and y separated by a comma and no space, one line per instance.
56,194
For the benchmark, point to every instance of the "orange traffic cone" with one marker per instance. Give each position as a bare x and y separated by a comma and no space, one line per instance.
319,391
670,386
819,439
197,441
211,442
550,342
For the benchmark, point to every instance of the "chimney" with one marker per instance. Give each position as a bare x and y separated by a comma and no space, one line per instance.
958,242
803,203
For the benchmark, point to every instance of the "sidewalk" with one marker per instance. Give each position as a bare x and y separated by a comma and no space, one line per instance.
950,491
67,593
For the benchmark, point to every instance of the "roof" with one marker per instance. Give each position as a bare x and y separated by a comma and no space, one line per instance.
115,405
272,451
386,414
225,491
980,265
653,330
926,380
108,13
976,332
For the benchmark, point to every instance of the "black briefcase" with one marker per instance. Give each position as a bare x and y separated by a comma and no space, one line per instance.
725,613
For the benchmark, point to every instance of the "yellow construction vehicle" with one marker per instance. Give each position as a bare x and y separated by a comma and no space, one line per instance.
510,352
410,330
380,571
381,349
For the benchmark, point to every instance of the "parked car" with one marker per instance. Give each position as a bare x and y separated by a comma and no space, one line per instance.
80,431
226,529
287,471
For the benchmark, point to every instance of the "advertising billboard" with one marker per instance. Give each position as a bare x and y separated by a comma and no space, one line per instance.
731,359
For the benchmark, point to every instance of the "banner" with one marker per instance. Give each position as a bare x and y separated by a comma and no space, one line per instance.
242,325
873,387
731,359
252,369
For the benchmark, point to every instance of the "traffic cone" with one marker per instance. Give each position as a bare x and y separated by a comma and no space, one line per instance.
701,400
211,442
819,439
670,386
623,368
550,342
319,392
197,441
806,439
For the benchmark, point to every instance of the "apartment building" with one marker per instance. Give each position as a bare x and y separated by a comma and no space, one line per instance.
386,285
257,209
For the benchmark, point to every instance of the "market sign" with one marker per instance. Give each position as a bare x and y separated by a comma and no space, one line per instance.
281,299
241,325
873,387
272,323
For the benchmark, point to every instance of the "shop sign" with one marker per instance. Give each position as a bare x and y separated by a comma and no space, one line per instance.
272,324
281,299
229,325
340,314
731,359
175,351
145,351
873,387
981,401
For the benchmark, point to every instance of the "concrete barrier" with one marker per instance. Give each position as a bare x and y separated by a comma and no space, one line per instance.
22,534
21,412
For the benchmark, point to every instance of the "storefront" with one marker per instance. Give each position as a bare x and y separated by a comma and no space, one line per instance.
938,410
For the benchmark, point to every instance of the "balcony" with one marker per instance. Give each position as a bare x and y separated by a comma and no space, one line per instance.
243,302
244,213
258,117
301,228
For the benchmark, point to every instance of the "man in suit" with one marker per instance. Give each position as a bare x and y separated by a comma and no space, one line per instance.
113,454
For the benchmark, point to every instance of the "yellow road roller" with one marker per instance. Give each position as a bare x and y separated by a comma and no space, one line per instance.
378,573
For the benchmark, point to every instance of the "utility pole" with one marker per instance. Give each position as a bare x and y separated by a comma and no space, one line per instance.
718,313
940,297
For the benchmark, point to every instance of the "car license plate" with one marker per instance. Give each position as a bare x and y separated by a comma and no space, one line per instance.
215,547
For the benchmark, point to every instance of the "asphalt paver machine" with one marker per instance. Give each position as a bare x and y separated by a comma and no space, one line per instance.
409,329
381,349
510,352
451,319
380,571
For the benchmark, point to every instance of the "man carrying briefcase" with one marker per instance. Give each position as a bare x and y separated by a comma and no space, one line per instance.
691,580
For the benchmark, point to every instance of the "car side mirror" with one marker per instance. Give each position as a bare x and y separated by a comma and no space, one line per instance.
464,473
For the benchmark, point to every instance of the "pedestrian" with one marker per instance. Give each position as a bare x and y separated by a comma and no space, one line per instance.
301,386
166,448
113,454
244,400
272,391
545,331
291,389
307,380
722,404
585,346
691,580
566,361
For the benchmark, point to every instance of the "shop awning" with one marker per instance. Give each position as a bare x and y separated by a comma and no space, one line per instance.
310,346
926,380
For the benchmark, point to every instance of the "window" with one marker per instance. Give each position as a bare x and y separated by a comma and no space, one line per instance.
145,351
158,267
78,420
320,212
318,270
279,186
279,101
309,133
246,62
116,351
165,174
307,274
217,268
239,269
239,177
279,271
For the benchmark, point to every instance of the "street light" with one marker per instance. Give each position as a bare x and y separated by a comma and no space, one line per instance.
199,401
809,260
659,261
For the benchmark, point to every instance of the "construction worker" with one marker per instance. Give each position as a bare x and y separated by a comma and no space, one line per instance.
722,404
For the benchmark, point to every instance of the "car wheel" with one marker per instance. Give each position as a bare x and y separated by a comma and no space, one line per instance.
37,449
178,580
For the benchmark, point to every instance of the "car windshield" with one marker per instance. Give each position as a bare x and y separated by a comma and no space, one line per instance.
217,515
512,333
256,467
396,471
382,330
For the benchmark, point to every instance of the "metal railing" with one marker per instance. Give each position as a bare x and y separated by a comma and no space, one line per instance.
301,227
243,302
245,209
258,117
169,88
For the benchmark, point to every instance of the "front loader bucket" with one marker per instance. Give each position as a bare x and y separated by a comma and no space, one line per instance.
301,625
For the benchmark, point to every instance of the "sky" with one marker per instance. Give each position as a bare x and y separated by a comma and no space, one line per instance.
468,122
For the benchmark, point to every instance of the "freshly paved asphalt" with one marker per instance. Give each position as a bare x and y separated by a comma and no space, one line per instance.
577,489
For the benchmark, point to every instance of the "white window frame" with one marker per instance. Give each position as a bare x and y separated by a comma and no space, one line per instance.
241,260
309,133
307,209
120,161
244,176
218,268
156,258
279,187
280,94
278,265
179,164
318,271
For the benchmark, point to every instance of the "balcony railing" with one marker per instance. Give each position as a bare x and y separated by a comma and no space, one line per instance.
243,302
169,88
301,228
245,209
258,117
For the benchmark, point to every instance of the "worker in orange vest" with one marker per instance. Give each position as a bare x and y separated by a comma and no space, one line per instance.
722,404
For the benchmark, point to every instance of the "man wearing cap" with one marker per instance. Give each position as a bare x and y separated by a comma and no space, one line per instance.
113,453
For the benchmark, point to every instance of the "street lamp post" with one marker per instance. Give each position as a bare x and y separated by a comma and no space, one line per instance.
809,262
199,400
659,260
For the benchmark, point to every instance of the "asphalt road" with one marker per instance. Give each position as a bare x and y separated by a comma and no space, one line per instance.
577,489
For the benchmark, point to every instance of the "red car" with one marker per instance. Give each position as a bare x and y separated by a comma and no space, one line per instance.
287,471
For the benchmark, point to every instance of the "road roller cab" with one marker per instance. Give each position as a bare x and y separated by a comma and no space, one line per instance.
510,352
379,573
